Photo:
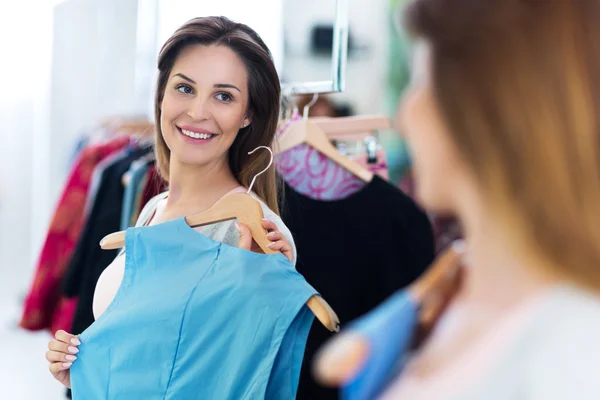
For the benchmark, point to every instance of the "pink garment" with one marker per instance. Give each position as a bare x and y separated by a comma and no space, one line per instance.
380,167
316,176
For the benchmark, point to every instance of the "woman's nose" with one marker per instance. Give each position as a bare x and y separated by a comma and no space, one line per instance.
198,109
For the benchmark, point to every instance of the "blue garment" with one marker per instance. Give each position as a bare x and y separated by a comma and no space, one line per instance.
196,319
136,174
389,330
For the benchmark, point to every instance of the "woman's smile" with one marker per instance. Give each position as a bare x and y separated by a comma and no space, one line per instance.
195,135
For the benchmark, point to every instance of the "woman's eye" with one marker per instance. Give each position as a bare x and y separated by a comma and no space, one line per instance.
185,89
224,97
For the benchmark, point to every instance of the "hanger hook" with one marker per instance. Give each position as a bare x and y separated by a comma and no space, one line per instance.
264,170
309,105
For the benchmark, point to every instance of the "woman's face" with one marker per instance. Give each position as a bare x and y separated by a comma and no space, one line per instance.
437,169
204,105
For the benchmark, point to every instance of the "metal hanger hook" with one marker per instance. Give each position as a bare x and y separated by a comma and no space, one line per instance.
264,170
309,105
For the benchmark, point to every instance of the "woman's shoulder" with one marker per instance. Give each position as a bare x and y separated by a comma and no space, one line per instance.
149,209
565,350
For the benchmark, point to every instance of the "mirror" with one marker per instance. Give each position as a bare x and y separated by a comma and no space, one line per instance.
323,37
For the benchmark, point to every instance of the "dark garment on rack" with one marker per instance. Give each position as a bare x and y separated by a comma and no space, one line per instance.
89,260
356,252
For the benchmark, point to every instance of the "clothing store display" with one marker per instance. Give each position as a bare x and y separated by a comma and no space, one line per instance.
89,260
540,351
45,306
381,240
133,186
97,177
378,166
314,175
226,323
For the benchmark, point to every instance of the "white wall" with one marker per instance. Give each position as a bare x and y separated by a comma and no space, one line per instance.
366,73
25,40
93,72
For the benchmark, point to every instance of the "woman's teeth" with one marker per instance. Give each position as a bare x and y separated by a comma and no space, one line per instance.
196,135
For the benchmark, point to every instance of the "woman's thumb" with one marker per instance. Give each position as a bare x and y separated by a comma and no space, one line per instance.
245,236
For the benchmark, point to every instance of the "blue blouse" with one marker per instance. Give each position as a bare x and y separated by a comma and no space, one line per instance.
196,319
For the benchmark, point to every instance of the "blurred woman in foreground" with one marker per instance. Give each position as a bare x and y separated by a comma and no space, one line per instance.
503,120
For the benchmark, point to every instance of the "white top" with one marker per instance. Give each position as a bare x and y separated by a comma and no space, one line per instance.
110,280
547,350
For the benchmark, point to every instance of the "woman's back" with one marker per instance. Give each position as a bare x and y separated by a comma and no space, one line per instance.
538,351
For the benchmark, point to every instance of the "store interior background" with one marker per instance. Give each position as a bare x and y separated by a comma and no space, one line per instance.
66,65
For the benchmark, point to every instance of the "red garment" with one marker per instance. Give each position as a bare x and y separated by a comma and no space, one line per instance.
45,307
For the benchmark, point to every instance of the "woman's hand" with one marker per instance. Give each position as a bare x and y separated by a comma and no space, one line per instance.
61,355
278,241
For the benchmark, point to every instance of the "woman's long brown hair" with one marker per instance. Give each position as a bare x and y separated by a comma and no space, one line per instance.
263,103
518,83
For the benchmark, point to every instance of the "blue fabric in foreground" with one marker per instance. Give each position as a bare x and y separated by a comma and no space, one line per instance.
196,319
389,331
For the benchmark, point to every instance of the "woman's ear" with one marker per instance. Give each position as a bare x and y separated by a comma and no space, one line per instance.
247,121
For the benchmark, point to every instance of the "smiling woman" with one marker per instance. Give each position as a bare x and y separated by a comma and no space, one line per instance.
217,79
217,99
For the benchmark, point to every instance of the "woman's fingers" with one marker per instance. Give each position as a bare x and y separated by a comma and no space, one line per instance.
282,246
57,367
65,337
268,225
278,245
61,347
57,356
278,241
275,236
245,241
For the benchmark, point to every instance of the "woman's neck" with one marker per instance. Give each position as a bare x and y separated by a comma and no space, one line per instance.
195,188
498,275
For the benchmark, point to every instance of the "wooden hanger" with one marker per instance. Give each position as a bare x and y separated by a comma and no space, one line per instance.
305,131
243,207
351,125
314,131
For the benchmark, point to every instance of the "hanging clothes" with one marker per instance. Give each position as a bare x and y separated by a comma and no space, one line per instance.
97,175
377,166
225,324
45,307
367,247
135,183
314,175
89,260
